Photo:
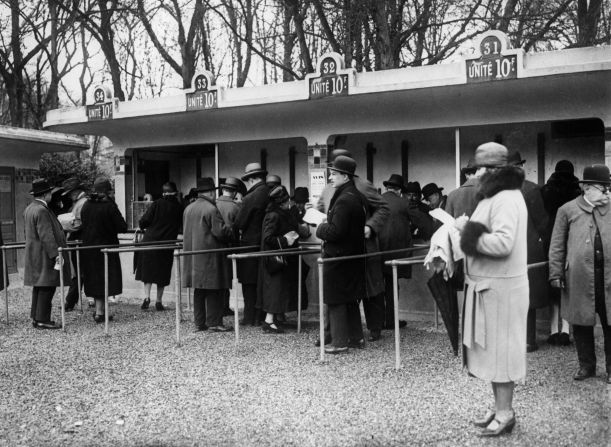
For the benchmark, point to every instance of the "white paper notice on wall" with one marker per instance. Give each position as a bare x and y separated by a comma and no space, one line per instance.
318,181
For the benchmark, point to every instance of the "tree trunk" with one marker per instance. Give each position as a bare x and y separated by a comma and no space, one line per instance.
588,15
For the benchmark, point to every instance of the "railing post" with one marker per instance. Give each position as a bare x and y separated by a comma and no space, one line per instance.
299,298
321,310
60,252
177,292
78,275
5,273
106,305
234,283
179,281
395,291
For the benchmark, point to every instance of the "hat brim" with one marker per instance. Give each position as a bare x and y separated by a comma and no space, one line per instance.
69,190
602,182
331,168
253,173
396,185
233,187
206,189
42,191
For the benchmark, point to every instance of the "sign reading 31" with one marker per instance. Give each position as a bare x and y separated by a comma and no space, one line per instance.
496,61
203,96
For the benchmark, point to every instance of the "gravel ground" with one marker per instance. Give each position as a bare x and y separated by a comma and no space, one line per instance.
137,388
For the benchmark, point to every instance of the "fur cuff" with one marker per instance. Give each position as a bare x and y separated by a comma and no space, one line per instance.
470,235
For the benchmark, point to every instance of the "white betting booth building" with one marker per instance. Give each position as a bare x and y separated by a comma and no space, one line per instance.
422,122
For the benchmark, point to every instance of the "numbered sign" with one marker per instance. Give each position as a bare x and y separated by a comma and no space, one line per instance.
203,96
496,62
331,79
102,107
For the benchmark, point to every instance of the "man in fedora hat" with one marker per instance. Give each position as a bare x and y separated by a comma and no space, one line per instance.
580,265
249,222
300,198
73,189
229,209
272,181
209,274
344,281
537,241
43,237
377,215
433,195
463,200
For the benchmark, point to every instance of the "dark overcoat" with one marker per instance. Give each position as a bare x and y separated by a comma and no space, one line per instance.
396,233
463,200
344,281
249,222
571,258
43,236
277,289
377,215
162,222
537,237
204,229
2,261
229,209
102,222
560,188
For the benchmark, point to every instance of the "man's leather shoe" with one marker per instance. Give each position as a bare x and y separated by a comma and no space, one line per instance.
391,326
327,342
553,339
228,312
247,322
532,347
374,335
584,373
47,325
335,349
220,329
609,378
200,328
358,344
68,307
563,339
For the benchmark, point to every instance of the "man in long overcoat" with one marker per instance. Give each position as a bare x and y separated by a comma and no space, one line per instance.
377,215
43,237
102,222
343,236
229,209
537,237
580,265
208,274
249,222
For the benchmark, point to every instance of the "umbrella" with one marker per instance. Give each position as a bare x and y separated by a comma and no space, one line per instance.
445,295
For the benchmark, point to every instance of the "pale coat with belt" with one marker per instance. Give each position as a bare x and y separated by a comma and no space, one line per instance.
496,299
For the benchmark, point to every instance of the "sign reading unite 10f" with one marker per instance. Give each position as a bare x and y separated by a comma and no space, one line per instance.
492,65
330,83
102,107
202,97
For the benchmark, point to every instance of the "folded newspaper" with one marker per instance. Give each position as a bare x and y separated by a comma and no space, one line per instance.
314,217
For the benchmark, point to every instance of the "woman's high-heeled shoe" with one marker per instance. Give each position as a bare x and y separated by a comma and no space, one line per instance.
484,421
145,303
502,428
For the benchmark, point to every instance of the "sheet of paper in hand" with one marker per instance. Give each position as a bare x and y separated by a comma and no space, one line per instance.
442,216
314,217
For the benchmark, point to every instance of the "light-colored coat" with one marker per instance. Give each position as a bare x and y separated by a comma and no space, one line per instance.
43,236
204,229
496,297
571,258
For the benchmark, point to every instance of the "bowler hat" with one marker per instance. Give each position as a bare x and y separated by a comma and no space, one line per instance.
596,174
70,184
302,195
253,169
102,185
337,152
491,155
429,189
273,180
279,194
205,184
565,166
40,186
343,164
232,183
514,158
413,187
395,180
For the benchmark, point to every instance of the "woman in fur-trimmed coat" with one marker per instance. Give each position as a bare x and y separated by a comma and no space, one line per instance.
496,282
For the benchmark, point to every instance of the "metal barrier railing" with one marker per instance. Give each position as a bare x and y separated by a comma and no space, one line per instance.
322,261
14,246
299,252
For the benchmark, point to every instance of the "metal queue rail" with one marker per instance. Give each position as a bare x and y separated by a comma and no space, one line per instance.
395,263
321,261
16,246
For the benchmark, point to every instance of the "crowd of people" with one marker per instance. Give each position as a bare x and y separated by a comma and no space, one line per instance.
504,223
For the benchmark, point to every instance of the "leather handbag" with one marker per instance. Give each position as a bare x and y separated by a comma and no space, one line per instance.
277,263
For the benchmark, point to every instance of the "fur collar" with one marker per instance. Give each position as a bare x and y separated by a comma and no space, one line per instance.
500,179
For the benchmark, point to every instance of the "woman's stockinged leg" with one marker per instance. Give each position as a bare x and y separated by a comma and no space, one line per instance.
504,400
160,290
